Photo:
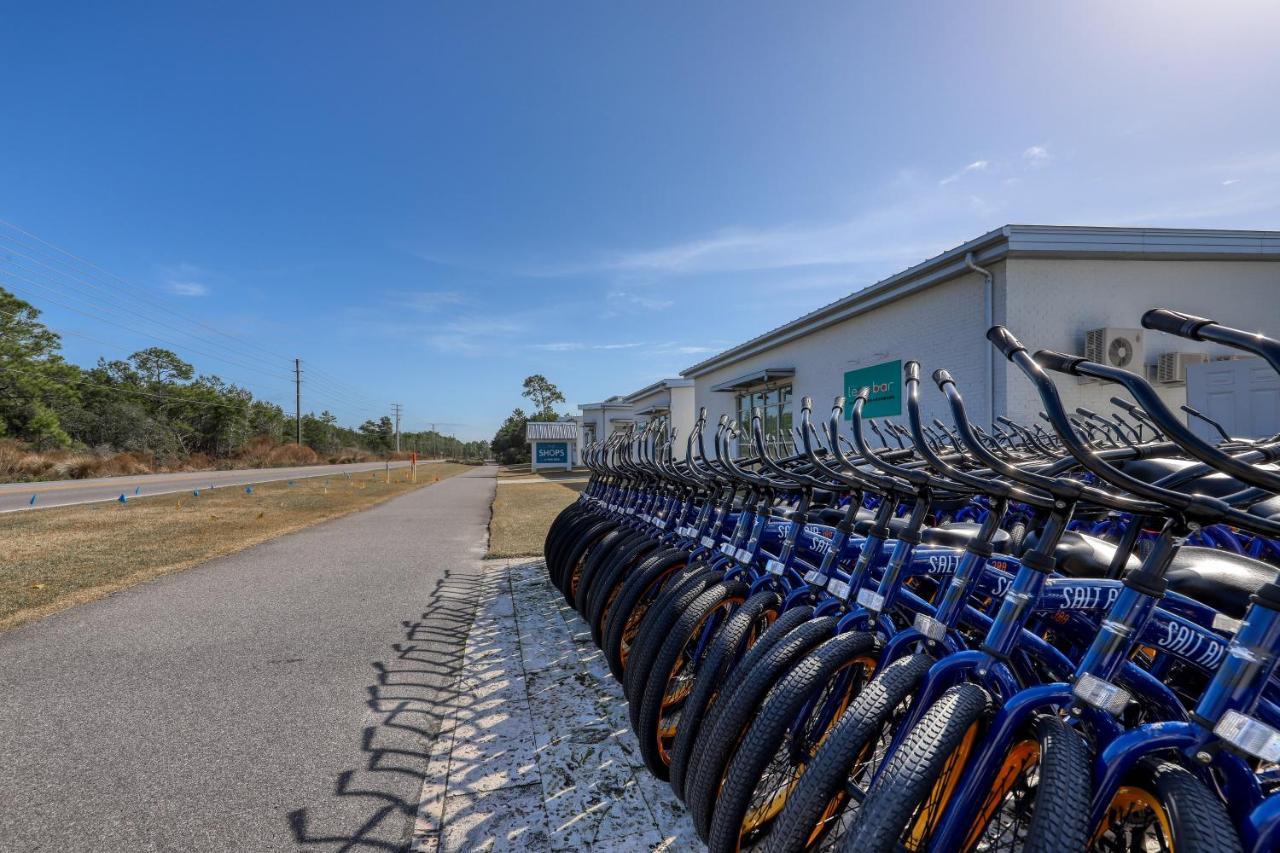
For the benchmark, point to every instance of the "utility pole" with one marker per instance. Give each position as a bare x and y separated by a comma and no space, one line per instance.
397,409
297,397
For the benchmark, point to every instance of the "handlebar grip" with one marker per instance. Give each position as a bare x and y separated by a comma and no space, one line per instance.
806,403
724,420
1175,323
942,376
912,369
1058,361
864,394
702,413
839,402
1123,404
1004,341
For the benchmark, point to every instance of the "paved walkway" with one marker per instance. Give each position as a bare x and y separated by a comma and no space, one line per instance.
282,698
535,752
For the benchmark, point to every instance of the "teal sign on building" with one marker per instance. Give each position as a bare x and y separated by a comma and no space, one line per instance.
885,382
552,452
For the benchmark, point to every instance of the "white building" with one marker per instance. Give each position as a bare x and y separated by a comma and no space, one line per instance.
1073,289
668,399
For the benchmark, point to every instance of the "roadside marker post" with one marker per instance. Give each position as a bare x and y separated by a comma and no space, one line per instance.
388,471
413,466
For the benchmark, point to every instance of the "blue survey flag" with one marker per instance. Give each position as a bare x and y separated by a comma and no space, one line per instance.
122,498
248,490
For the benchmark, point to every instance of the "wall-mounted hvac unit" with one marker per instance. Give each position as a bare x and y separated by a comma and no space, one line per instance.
1171,369
1114,347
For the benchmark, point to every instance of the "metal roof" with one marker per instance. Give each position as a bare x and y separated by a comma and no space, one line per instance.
1052,241
674,382
758,377
550,431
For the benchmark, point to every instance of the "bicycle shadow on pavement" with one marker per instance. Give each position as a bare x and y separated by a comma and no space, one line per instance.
413,692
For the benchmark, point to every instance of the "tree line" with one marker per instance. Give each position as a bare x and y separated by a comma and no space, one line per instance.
154,402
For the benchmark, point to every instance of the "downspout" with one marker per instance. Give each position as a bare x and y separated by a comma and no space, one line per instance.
988,320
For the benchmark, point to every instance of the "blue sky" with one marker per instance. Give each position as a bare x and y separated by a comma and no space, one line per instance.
429,201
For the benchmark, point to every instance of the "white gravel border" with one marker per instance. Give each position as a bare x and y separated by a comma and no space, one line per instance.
535,752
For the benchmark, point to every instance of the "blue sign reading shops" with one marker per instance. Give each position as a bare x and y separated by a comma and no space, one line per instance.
552,452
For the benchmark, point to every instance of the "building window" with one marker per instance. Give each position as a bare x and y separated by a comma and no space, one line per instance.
775,415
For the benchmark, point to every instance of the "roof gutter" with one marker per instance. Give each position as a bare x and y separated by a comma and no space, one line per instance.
988,320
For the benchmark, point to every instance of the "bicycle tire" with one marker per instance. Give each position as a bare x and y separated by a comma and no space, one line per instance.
818,812
731,724
925,759
739,634
743,812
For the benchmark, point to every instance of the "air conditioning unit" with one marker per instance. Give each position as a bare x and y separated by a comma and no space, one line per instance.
1171,369
1113,347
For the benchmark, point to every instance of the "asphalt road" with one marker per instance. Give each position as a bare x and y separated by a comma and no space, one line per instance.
282,698
16,496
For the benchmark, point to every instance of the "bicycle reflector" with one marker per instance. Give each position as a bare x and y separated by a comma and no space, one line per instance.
1249,735
931,628
1101,694
871,599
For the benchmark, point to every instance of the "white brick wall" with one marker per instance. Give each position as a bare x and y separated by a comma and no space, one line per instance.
1051,303
939,327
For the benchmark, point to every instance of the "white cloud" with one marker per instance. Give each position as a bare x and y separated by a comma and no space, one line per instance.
574,346
975,166
430,300
640,300
1228,183
1036,156
187,288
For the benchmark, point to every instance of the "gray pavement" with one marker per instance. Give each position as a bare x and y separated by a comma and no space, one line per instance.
17,496
282,698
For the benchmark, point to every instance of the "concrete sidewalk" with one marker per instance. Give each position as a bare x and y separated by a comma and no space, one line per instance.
535,752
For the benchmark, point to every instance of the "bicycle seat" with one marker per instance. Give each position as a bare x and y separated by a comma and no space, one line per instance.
1270,508
1082,556
954,534
957,534
1214,484
1220,579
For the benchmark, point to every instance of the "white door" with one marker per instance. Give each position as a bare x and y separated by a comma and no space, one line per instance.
1242,395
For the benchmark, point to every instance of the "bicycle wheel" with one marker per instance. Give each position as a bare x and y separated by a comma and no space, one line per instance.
676,668
638,591
1162,807
1039,802
606,588
904,805
786,734
826,802
783,627
703,787
740,633
596,561
659,619
575,557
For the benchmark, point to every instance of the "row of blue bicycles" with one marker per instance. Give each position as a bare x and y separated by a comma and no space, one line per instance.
1053,637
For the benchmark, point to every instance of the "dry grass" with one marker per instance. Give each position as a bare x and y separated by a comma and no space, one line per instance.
522,512
22,464
58,557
